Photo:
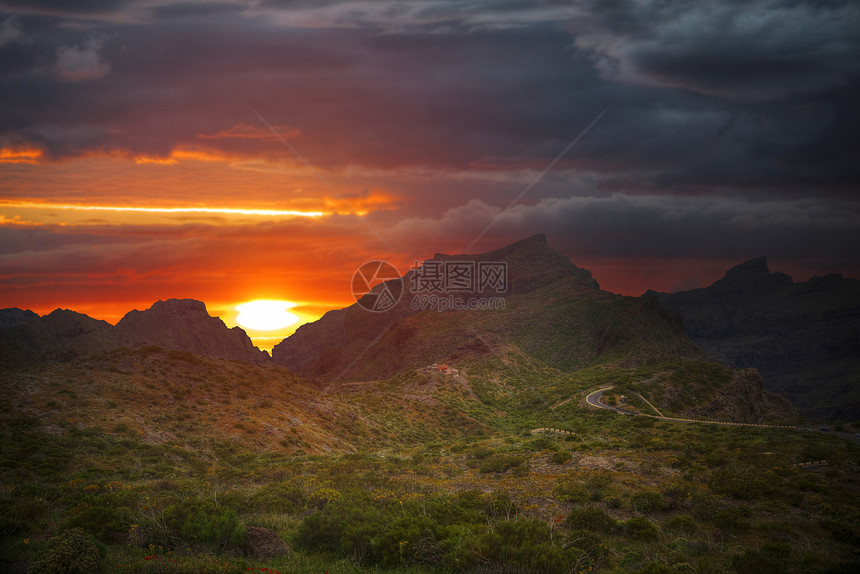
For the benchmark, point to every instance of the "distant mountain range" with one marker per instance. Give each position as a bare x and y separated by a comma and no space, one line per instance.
804,337
179,324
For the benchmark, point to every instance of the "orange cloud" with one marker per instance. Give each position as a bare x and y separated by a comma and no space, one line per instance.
20,155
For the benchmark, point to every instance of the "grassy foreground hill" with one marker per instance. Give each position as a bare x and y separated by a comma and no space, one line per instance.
166,460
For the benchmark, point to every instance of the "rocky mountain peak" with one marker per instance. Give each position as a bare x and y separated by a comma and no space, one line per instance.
750,280
532,264
186,324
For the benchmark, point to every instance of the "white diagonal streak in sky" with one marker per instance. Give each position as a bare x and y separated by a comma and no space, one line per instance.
537,179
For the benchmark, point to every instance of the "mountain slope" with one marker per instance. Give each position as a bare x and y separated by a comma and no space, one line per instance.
15,316
551,309
804,338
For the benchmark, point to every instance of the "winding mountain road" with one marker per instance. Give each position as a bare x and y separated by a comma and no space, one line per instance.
593,399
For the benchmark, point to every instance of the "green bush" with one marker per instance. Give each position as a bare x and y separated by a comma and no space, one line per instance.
408,540
202,521
589,543
570,489
278,497
772,558
591,519
561,456
322,497
640,528
499,506
685,524
647,501
24,514
842,530
100,521
731,520
346,524
500,463
516,546
740,482
72,552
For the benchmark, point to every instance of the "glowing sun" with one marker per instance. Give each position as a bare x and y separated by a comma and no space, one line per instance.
265,315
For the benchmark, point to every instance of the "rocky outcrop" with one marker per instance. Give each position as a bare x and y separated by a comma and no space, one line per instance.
184,324
804,337
744,400
263,543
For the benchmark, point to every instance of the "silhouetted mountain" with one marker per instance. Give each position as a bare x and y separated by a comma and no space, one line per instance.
58,336
15,316
804,338
184,324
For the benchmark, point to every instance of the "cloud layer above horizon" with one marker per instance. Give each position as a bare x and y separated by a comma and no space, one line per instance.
403,128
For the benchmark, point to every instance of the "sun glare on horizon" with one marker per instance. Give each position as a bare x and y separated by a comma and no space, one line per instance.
265,315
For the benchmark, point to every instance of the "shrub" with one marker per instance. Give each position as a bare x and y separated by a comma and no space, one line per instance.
731,520
570,489
500,463
498,505
772,558
842,530
100,521
345,524
589,542
322,497
72,552
202,521
561,456
647,501
279,497
516,546
591,519
739,482
640,528
685,524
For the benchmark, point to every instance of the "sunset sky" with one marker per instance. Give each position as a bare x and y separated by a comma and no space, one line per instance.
231,151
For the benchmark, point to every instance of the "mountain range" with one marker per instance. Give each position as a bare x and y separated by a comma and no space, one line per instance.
803,337
358,375
180,324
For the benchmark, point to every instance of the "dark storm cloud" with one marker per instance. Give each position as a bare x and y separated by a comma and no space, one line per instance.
64,6
620,226
735,111
757,50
